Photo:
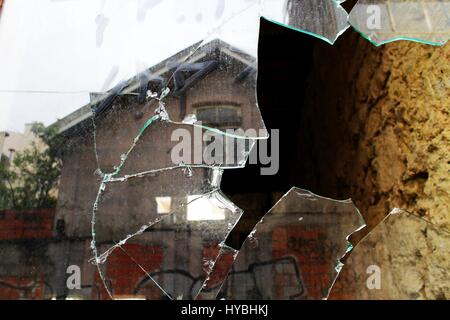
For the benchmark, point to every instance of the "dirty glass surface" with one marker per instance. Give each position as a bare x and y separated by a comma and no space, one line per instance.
324,19
142,104
124,97
383,21
218,273
378,271
294,251
185,229
117,92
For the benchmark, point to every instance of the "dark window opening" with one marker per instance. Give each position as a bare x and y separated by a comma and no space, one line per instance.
287,87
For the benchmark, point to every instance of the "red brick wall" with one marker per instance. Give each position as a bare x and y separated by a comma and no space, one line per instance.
13,288
21,225
124,274
313,259
222,264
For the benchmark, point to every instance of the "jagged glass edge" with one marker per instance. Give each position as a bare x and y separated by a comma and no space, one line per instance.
316,35
339,265
365,36
310,33
350,247
391,212
107,178
100,259
116,173
397,38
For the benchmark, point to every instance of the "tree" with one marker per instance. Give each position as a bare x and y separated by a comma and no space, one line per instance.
28,183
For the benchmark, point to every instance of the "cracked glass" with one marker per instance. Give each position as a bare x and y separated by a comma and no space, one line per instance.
127,183
324,19
383,21
179,239
294,251
376,271
133,111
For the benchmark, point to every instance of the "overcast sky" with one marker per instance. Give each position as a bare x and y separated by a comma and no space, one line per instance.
54,52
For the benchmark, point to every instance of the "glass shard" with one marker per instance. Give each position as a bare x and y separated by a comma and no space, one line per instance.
325,19
294,251
171,254
219,271
140,198
383,21
172,145
392,262
150,101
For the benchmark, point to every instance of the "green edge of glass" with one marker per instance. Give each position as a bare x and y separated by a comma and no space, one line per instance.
399,38
307,32
365,36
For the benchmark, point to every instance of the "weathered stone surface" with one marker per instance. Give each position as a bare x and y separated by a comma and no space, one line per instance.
386,114
376,127
412,256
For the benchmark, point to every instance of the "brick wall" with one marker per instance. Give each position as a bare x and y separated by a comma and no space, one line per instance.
23,225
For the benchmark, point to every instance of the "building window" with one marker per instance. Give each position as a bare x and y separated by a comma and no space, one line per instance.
219,115
200,208
163,205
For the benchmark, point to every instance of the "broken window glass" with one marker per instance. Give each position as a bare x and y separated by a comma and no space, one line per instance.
294,251
324,19
218,273
151,101
186,241
383,21
392,262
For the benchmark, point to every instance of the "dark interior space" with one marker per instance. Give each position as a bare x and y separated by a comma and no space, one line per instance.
287,60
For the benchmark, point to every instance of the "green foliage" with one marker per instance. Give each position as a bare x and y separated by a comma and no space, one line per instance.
28,182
